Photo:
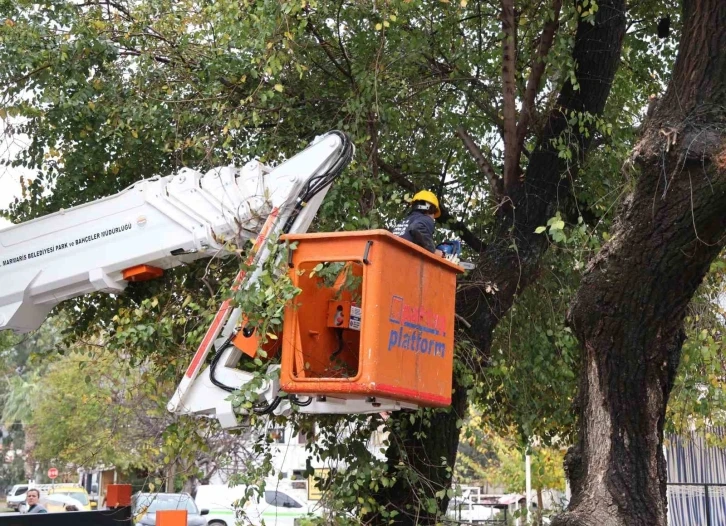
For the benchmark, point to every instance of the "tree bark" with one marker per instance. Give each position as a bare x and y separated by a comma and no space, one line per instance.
509,95
511,261
628,313
171,475
539,507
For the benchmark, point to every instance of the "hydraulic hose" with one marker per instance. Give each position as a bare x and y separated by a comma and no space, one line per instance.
312,187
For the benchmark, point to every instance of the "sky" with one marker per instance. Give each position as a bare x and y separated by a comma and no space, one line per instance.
9,177
9,190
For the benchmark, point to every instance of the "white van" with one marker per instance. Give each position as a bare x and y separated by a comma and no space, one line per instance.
276,507
16,496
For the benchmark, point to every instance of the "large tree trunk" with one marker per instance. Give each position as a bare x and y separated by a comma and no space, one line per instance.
629,311
530,204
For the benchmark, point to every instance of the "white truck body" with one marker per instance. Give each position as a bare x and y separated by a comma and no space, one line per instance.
279,506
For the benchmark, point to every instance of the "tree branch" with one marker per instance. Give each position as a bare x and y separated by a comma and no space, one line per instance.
485,167
340,43
535,74
28,75
135,53
121,9
400,179
326,48
454,224
511,160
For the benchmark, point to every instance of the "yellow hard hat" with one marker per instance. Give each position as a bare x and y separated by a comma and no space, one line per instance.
428,197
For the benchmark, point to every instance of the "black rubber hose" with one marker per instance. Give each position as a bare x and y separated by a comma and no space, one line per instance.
294,400
339,334
215,361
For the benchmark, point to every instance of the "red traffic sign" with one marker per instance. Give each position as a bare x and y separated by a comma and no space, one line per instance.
52,473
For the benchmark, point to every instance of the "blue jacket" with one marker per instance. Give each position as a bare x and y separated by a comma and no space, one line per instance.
417,228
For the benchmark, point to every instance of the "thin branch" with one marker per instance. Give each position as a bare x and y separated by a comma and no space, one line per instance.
340,42
28,75
400,179
454,224
134,53
511,164
491,112
326,48
485,167
535,74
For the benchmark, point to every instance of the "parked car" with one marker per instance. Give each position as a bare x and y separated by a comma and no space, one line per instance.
275,507
16,496
62,502
73,491
145,505
462,509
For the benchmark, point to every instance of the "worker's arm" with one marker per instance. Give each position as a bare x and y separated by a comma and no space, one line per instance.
422,232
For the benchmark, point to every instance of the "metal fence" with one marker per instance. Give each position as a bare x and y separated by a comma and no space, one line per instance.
694,504
112,517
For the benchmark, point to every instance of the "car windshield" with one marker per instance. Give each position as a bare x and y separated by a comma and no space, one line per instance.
78,495
154,503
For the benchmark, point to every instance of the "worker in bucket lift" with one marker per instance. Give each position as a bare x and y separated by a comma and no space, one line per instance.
418,227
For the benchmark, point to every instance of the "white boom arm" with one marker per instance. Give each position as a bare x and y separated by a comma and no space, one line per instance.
167,221
161,222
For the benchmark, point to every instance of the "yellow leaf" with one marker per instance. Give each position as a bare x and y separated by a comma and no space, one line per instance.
386,23
393,18
3,113
272,336
278,87
91,104
379,27
135,134
9,22
463,3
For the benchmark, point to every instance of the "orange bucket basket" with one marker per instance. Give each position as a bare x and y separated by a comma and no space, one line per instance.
375,318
